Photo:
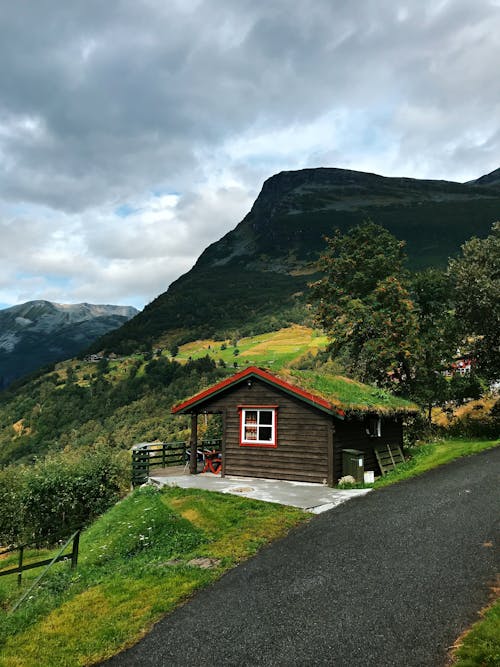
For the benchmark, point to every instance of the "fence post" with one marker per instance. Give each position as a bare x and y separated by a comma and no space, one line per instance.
74,552
56,559
20,575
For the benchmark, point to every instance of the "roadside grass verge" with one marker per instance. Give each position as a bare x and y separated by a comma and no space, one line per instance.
431,455
427,456
133,568
480,646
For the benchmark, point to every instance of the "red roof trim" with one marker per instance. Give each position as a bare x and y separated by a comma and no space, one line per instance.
268,377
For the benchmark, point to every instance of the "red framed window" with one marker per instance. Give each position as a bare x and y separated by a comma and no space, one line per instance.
258,426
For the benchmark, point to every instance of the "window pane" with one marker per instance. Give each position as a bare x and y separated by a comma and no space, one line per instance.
265,433
266,417
250,433
250,416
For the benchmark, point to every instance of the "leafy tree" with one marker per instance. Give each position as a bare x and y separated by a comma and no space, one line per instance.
463,388
364,304
103,366
439,337
476,276
71,376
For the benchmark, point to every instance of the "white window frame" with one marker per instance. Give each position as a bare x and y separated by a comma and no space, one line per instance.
273,425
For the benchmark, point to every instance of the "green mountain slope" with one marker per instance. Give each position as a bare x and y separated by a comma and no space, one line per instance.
255,277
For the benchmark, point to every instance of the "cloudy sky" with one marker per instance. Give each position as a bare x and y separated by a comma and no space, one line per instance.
133,133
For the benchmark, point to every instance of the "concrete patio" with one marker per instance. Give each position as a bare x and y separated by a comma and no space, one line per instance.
314,498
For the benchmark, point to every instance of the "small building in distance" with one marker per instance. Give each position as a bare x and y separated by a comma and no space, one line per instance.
294,426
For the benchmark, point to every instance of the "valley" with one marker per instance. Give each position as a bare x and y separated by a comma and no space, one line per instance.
126,400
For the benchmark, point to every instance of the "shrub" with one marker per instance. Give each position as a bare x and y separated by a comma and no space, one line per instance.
417,429
46,502
478,419
11,485
346,482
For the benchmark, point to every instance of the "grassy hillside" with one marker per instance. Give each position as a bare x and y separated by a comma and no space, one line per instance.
207,303
125,401
141,559
273,349
134,566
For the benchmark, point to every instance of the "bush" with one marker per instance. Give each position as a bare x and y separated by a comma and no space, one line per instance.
417,429
11,486
46,502
479,419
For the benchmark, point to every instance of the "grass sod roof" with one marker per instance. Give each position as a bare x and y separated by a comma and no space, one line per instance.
350,395
334,394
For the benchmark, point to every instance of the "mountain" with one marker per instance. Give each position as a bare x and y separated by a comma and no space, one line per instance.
255,277
37,333
491,179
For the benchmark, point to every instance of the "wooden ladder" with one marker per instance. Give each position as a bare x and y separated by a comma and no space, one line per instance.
388,457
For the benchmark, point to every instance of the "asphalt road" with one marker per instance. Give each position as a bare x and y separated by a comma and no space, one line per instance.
391,578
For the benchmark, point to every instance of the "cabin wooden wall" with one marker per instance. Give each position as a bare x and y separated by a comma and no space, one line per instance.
351,434
303,432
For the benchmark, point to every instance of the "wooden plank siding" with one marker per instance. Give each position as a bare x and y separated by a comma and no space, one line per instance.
351,434
309,441
302,433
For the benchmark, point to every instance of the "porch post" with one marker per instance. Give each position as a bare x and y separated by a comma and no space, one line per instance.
223,447
193,445
331,454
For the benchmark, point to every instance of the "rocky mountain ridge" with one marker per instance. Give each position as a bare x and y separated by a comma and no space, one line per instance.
39,332
256,276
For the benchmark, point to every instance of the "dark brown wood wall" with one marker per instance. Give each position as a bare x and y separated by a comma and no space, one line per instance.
351,434
302,451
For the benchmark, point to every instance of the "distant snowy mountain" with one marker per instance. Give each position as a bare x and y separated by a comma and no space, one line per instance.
37,333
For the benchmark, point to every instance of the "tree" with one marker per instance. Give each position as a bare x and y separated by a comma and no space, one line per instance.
103,366
476,277
439,337
364,304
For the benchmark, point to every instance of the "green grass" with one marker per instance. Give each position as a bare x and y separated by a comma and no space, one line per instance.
431,455
480,647
133,568
273,350
349,394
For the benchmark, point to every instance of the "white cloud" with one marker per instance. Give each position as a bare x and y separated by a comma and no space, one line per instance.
134,134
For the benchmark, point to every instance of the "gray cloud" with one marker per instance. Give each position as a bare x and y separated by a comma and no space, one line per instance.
103,104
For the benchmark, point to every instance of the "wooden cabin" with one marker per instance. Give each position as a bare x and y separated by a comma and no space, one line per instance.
295,427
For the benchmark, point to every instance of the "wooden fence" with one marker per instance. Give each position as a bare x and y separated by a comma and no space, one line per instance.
48,562
162,455
155,455
22,567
